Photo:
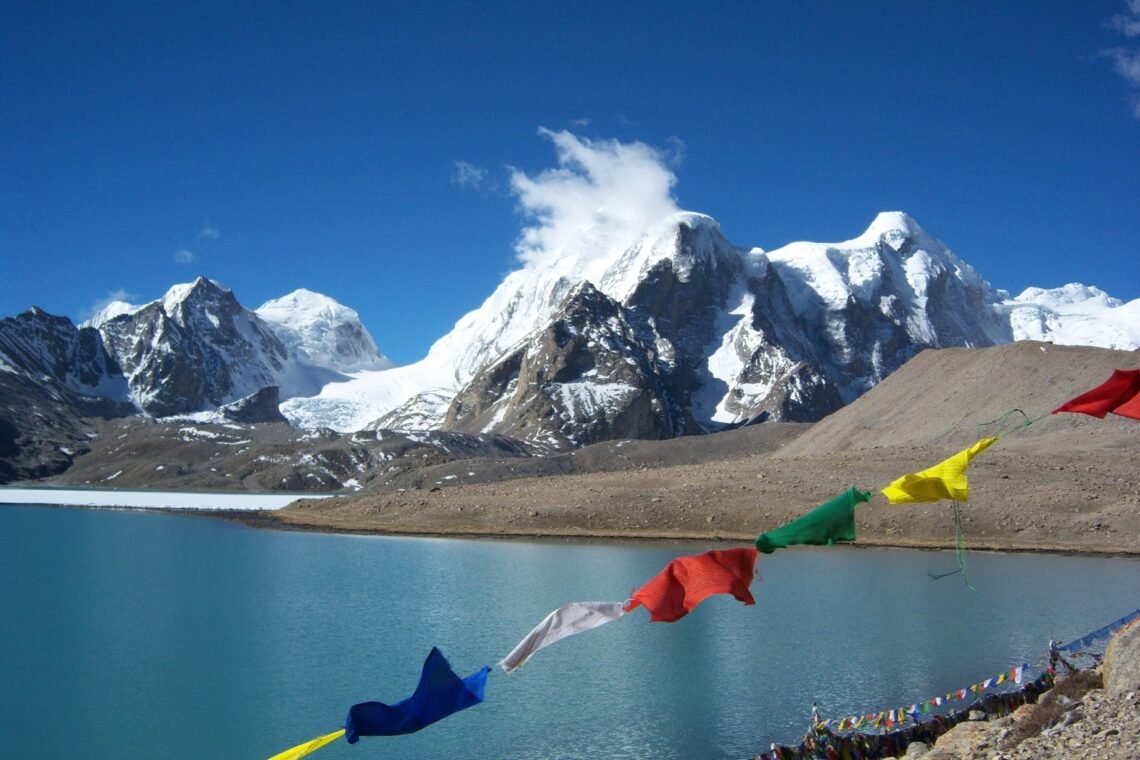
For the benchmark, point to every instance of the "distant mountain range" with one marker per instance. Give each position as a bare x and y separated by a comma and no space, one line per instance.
679,333
683,331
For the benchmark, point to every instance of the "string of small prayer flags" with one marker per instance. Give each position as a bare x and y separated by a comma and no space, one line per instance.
891,718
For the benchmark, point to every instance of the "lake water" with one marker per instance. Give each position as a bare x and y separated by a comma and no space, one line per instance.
141,635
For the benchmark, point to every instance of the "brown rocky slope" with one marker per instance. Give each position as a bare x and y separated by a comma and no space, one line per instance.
1065,482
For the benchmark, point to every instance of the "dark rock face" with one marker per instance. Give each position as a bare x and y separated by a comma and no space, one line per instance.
40,434
52,377
586,377
262,406
52,352
199,352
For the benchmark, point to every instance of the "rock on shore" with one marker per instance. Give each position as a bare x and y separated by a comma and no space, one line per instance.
1088,714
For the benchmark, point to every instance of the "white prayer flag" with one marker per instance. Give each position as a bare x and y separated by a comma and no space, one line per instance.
565,621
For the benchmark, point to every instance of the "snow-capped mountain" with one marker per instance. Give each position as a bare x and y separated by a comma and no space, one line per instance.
194,348
724,334
677,331
1075,315
197,348
320,331
528,298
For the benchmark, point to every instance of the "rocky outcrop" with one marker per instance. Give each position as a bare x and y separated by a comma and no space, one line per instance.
1090,713
587,376
1075,719
53,353
1122,662
261,406
53,376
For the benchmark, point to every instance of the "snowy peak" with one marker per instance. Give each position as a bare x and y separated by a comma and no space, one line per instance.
624,330
201,295
892,228
109,312
1074,315
896,268
724,334
196,349
319,330
1067,296
687,241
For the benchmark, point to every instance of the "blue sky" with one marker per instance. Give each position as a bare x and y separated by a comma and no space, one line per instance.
365,150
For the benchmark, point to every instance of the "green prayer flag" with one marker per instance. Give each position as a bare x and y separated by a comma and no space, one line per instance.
829,522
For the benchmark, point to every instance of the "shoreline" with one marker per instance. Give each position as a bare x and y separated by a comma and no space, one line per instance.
275,521
309,522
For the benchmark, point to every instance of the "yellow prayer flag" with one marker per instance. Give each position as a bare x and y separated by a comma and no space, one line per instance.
945,480
310,746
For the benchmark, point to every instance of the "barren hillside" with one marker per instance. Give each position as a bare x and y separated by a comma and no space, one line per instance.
1067,482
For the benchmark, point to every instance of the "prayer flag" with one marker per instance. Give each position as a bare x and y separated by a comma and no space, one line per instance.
945,480
831,521
687,581
565,621
310,746
1120,394
439,694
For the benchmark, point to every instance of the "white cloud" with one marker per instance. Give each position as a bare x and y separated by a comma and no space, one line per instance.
1127,64
183,256
580,123
468,175
1127,23
209,232
603,196
1126,60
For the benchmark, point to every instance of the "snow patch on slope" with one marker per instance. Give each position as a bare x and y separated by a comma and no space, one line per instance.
1075,315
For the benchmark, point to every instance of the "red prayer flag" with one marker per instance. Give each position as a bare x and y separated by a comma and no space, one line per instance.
1129,408
1120,394
687,581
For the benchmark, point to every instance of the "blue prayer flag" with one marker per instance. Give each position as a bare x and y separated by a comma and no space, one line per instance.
439,694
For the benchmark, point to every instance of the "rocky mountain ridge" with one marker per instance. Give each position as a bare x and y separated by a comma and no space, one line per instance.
678,332
729,335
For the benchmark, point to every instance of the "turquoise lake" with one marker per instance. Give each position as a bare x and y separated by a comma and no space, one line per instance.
145,635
